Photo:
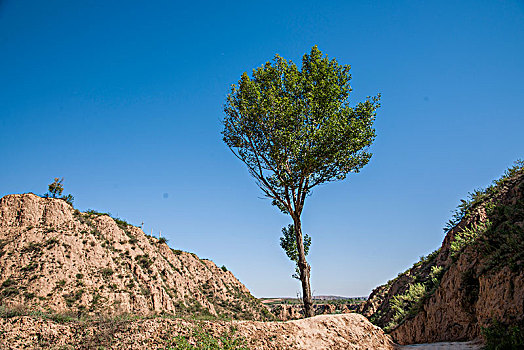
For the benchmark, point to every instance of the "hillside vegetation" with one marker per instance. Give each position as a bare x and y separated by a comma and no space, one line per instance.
473,284
55,259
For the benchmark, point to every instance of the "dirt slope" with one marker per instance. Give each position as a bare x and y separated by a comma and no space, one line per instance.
55,258
348,331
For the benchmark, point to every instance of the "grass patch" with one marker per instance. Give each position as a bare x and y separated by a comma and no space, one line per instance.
202,339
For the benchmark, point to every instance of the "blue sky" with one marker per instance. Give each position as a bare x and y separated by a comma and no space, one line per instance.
124,100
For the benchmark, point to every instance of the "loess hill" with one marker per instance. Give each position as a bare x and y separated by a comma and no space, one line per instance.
54,258
473,285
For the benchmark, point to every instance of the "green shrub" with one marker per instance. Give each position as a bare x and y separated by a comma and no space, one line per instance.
9,291
69,199
162,240
107,271
499,336
144,261
122,223
224,268
61,283
29,295
467,236
201,339
92,212
407,304
30,267
72,297
8,282
51,242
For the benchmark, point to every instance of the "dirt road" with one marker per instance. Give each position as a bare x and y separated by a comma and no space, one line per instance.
444,346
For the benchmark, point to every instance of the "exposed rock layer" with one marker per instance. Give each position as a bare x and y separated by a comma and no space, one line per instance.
286,312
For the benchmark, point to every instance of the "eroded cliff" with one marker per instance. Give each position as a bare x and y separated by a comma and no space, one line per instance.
474,280
54,258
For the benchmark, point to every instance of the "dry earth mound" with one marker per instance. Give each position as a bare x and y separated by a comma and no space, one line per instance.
474,281
57,259
349,331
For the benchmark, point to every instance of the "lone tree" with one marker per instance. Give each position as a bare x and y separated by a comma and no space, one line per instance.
295,129
55,190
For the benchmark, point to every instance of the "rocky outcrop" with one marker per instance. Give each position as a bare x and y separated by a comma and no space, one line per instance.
464,303
53,257
480,283
349,331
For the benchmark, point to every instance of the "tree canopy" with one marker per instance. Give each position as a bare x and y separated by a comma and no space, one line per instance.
295,129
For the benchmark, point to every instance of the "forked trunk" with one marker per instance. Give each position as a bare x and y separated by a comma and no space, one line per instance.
304,270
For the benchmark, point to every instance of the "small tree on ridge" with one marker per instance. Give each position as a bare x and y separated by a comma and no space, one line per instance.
56,188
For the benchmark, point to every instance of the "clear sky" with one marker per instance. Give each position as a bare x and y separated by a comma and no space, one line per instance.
124,100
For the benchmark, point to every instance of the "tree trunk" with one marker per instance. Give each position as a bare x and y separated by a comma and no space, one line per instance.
304,270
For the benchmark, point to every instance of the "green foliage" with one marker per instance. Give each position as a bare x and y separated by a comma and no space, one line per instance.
499,336
51,242
29,267
121,223
29,295
9,291
8,282
503,244
107,271
224,268
56,188
162,240
407,304
480,195
199,339
499,239
144,261
467,236
288,242
73,296
516,169
92,212
68,199
435,275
